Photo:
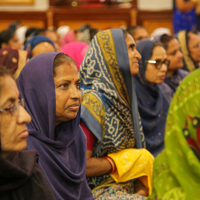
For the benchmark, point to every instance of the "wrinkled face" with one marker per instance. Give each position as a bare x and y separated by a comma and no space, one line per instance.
174,55
140,34
42,47
133,54
152,74
194,47
14,42
13,131
68,96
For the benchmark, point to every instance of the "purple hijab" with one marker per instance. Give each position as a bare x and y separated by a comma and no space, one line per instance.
62,150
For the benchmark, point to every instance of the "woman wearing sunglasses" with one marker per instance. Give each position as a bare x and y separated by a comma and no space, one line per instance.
20,175
152,103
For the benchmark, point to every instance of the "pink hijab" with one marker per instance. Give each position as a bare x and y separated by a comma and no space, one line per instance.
76,50
69,37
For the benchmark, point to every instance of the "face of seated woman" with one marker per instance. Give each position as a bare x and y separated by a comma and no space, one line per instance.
133,54
68,96
152,74
13,131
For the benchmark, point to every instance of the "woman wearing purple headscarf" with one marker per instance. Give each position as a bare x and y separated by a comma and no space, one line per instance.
49,84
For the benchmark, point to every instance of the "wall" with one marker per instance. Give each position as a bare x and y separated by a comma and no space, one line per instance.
44,4
39,5
155,4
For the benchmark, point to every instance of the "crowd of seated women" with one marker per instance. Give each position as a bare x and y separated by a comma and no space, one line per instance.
84,114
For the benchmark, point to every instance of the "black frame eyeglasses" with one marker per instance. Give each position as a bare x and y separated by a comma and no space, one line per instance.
158,63
14,108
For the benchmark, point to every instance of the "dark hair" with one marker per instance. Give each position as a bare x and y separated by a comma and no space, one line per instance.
125,33
156,44
187,34
93,32
60,59
4,72
6,36
131,29
165,39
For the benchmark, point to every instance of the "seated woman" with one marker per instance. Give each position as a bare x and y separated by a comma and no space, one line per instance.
176,172
8,38
49,83
39,44
174,73
20,175
13,59
190,45
110,119
152,103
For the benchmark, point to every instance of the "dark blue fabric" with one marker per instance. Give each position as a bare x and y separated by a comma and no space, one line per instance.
152,103
35,40
62,150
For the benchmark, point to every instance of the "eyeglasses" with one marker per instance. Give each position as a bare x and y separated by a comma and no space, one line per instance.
158,63
14,108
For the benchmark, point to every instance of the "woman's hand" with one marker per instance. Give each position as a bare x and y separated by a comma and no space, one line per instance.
140,189
97,166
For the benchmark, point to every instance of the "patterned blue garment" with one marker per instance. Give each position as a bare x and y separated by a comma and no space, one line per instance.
185,21
109,104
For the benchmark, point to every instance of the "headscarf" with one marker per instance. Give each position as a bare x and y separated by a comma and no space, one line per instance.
189,63
76,50
109,104
176,170
35,40
62,150
13,59
152,103
69,37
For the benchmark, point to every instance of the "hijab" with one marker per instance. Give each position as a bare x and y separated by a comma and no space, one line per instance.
62,150
109,103
152,103
35,40
13,59
76,50
176,172
189,63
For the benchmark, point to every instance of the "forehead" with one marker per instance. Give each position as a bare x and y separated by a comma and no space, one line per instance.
193,38
173,44
66,70
8,90
129,39
158,52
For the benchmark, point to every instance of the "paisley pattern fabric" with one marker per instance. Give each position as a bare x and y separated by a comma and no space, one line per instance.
109,104
176,172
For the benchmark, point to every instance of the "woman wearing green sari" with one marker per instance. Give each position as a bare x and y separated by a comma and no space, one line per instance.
176,174
109,113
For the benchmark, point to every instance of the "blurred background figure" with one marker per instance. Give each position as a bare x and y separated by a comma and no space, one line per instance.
137,32
8,38
39,44
158,32
13,60
15,25
76,50
190,47
61,32
185,17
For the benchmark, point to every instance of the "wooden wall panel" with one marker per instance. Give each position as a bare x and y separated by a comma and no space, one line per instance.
31,18
153,20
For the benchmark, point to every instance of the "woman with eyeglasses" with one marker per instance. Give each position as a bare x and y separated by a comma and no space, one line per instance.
152,103
175,73
190,47
20,175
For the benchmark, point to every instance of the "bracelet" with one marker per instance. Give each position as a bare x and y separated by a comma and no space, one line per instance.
111,163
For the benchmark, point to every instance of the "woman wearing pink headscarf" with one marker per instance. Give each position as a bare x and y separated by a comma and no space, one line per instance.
76,50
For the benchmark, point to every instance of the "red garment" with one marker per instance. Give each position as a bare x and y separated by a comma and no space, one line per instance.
90,137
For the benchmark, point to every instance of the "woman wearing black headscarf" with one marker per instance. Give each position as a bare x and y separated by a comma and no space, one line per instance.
20,175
